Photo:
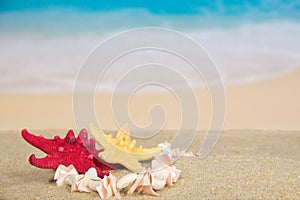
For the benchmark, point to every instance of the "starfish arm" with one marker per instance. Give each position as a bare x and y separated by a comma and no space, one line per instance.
99,137
45,163
70,137
125,159
83,136
40,142
146,155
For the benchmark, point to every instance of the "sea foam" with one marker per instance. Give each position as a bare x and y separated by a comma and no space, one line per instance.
45,55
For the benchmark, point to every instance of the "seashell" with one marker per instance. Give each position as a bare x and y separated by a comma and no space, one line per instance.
149,180
76,182
159,179
81,182
158,184
146,180
146,185
177,174
173,175
163,158
143,183
162,171
104,190
113,182
94,183
63,172
181,153
156,165
166,148
169,181
148,190
134,186
126,180
70,179
108,188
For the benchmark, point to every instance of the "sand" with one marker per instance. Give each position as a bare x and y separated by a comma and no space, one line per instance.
259,159
267,104
243,165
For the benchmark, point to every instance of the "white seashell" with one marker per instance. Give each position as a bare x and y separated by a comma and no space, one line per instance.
146,180
149,180
159,179
156,165
177,174
62,172
113,182
143,183
163,158
83,185
137,182
102,191
181,153
94,183
148,190
166,148
159,184
173,175
90,174
108,188
70,179
83,188
76,182
126,180
81,182
106,182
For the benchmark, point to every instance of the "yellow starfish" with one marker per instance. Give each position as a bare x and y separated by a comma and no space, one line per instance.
122,141
121,150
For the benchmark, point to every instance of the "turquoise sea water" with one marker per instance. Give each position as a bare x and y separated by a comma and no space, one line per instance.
43,43
179,14
273,8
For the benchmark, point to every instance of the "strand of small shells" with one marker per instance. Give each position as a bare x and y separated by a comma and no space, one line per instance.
161,173
174,153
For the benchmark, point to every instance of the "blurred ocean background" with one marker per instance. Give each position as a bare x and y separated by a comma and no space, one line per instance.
43,43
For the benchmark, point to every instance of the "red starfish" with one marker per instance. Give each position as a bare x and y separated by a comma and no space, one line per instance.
80,152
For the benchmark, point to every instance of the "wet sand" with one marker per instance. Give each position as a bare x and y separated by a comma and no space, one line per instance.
267,104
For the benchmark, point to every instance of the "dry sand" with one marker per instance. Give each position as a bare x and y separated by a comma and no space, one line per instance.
268,104
243,165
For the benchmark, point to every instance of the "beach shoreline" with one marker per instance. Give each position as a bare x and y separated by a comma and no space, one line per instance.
267,104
